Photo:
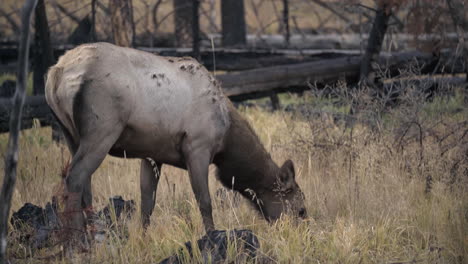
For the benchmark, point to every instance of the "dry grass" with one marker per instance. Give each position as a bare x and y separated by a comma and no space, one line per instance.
371,196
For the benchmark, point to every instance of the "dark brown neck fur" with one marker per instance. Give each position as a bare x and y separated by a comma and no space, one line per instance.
244,158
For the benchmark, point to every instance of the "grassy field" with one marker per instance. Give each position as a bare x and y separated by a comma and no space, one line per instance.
395,192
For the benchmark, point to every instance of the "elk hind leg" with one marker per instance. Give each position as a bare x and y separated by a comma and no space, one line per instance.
90,154
96,139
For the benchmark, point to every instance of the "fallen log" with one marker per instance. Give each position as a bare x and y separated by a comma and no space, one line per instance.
259,81
270,78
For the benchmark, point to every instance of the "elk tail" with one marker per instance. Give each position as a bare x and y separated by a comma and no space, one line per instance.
54,77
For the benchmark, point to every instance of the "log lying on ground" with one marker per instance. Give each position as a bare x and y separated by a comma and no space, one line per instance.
35,107
267,79
260,82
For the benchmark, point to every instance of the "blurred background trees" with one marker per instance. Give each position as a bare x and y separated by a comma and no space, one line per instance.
365,28
165,23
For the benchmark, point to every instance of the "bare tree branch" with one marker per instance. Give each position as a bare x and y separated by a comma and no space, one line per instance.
103,7
155,15
211,20
11,159
66,12
10,20
333,10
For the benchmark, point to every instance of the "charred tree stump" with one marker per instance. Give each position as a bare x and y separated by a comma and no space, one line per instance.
369,63
123,28
43,53
233,23
11,157
183,21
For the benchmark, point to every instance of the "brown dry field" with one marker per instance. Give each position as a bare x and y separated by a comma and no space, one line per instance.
374,194
394,191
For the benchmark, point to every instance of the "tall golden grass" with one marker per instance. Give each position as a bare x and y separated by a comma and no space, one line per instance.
375,194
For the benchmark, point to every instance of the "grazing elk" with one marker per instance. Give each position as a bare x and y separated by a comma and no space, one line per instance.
134,104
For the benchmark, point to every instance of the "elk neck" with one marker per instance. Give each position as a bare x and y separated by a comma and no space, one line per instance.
245,159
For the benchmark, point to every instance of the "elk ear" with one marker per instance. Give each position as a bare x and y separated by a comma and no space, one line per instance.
287,173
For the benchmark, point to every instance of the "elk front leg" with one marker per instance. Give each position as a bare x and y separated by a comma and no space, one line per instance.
197,162
149,178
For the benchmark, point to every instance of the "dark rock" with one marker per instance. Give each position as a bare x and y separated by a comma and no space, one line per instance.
214,246
41,221
36,225
30,214
121,208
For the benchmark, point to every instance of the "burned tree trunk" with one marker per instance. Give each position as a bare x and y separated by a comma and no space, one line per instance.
458,12
369,61
11,157
123,29
93,20
196,29
287,33
233,23
183,21
43,54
